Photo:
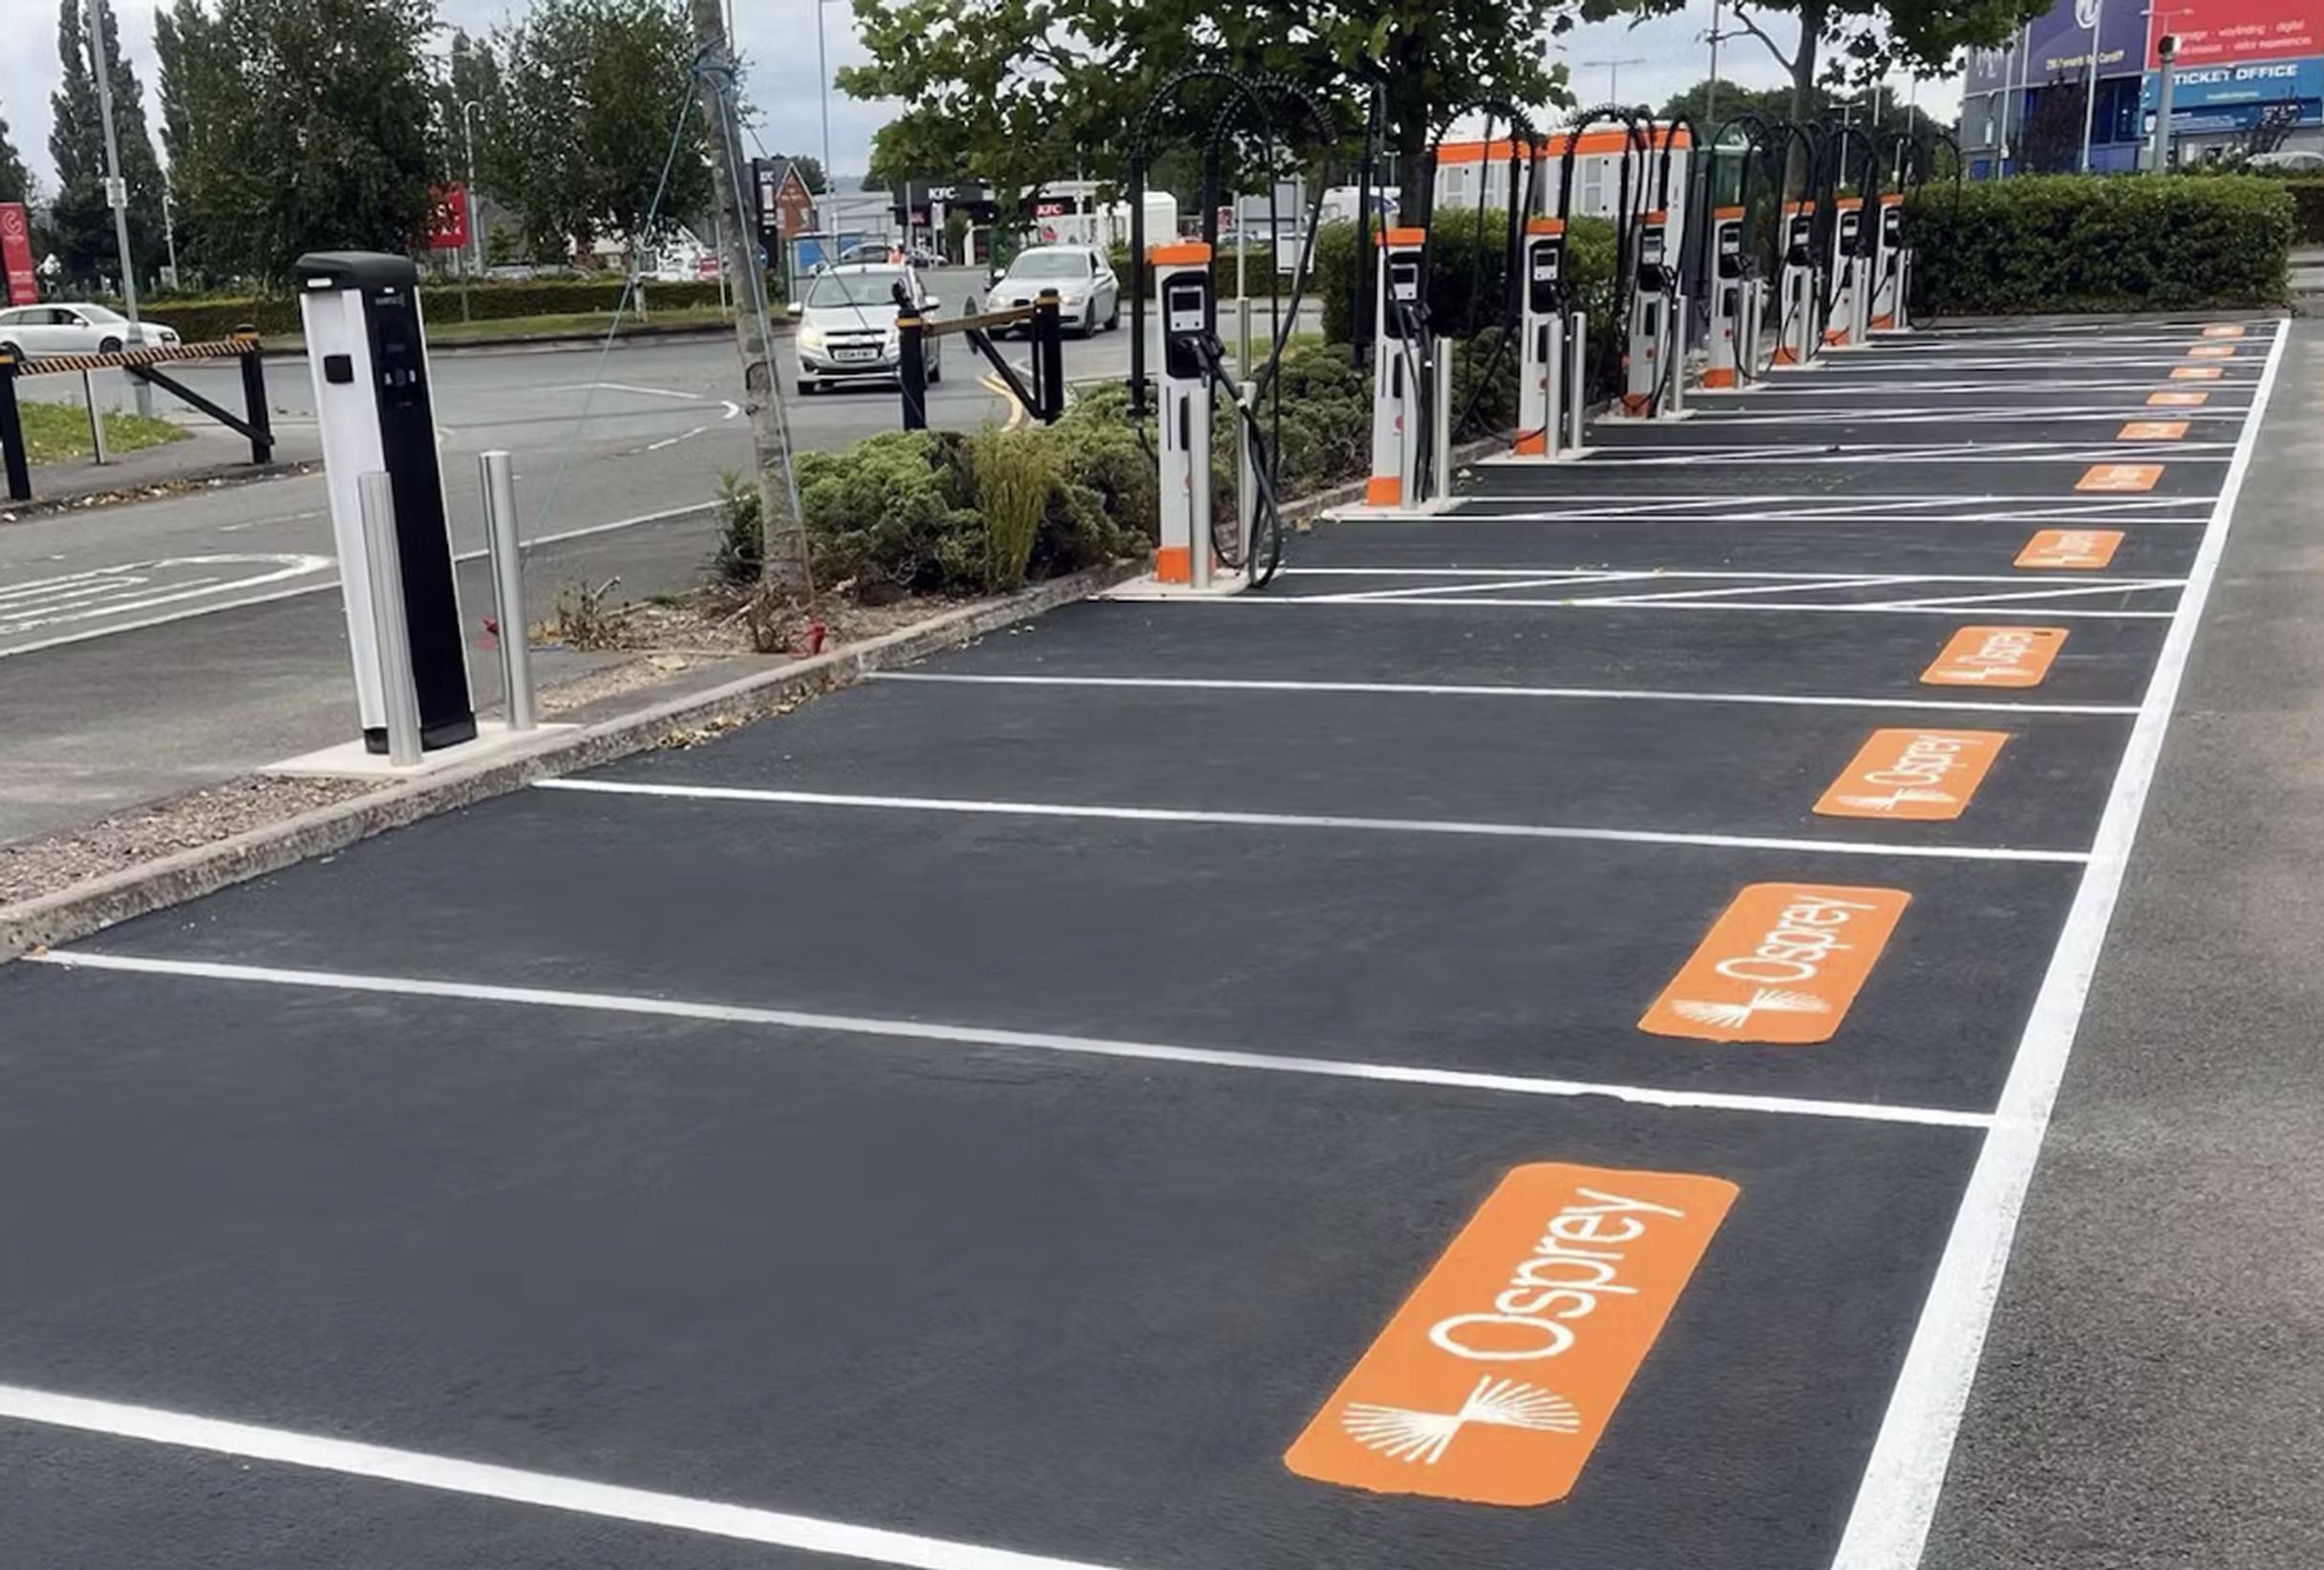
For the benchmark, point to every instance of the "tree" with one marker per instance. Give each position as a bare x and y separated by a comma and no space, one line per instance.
1022,90
298,125
1864,40
582,145
80,219
16,183
1775,103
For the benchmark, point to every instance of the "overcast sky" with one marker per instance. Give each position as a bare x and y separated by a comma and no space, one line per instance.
784,79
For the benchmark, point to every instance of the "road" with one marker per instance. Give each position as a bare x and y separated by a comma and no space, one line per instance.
159,646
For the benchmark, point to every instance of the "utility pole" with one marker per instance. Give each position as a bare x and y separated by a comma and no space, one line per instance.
782,537
1710,93
116,189
169,226
822,88
2098,14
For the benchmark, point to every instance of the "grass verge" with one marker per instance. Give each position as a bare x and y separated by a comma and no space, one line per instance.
59,432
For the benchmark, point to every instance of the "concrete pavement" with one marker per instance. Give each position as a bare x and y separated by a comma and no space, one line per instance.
118,688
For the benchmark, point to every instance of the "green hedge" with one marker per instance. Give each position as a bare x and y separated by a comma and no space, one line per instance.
2307,210
200,319
2083,243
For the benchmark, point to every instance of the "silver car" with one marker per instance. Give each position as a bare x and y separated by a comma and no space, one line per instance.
1088,296
847,325
76,329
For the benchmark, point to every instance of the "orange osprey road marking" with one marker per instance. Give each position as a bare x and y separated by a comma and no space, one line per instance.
1781,964
2211,351
1997,656
2070,548
1494,1381
2177,400
1919,776
2120,476
2222,329
2152,431
2195,373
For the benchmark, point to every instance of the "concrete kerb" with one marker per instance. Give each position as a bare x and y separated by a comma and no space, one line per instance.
101,902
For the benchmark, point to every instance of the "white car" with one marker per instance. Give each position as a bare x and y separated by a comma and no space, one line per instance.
1088,296
847,326
76,329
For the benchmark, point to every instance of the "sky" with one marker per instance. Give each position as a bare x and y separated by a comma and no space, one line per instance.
785,78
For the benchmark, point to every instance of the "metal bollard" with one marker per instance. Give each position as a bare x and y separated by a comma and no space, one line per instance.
1679,354
399,696
1577,385
96,421
497,478
1246,471
1553,362
1441,434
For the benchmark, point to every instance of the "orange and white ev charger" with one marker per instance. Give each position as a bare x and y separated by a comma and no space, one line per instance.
1796,287
1734,306
1893,269
1851,277
1411,390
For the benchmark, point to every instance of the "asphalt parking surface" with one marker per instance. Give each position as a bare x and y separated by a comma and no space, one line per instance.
1033,1111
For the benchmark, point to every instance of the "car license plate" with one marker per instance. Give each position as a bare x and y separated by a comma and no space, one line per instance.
851,355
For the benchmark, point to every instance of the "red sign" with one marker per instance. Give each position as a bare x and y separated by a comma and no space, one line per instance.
2232,32
706,268
17,254
448,217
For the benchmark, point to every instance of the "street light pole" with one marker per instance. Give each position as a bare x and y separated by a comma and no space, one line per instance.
822,73
475,237
2097,12
1614,74
116,189
1710,93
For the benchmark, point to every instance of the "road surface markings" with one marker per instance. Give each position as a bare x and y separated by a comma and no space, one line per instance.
2152,431
2177,400
1038,1041
2224,330
1494,1381
1896,1502
1997,656
1779,965
1917,776
480,1479
1293,820
2069,548
2211,351
2196,374
142,586
1456,690
2120,476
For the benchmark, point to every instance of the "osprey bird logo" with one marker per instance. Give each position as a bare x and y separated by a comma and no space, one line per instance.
1916,794
1404,1434
1733,1016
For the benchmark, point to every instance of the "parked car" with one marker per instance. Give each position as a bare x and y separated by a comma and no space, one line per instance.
76,329
2291,160
922,256
1089,295
847,325
878,252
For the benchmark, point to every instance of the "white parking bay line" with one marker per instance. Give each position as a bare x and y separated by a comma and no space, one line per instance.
1044,1041
1301,820
1457,690
1896,1503
480,1479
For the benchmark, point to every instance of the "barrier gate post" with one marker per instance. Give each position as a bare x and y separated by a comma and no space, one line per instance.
1183,290
11,435
1540,356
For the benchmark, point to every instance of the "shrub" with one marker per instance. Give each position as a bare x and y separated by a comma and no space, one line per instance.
896,510
2082,243
740,544
2307,210
1015,477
